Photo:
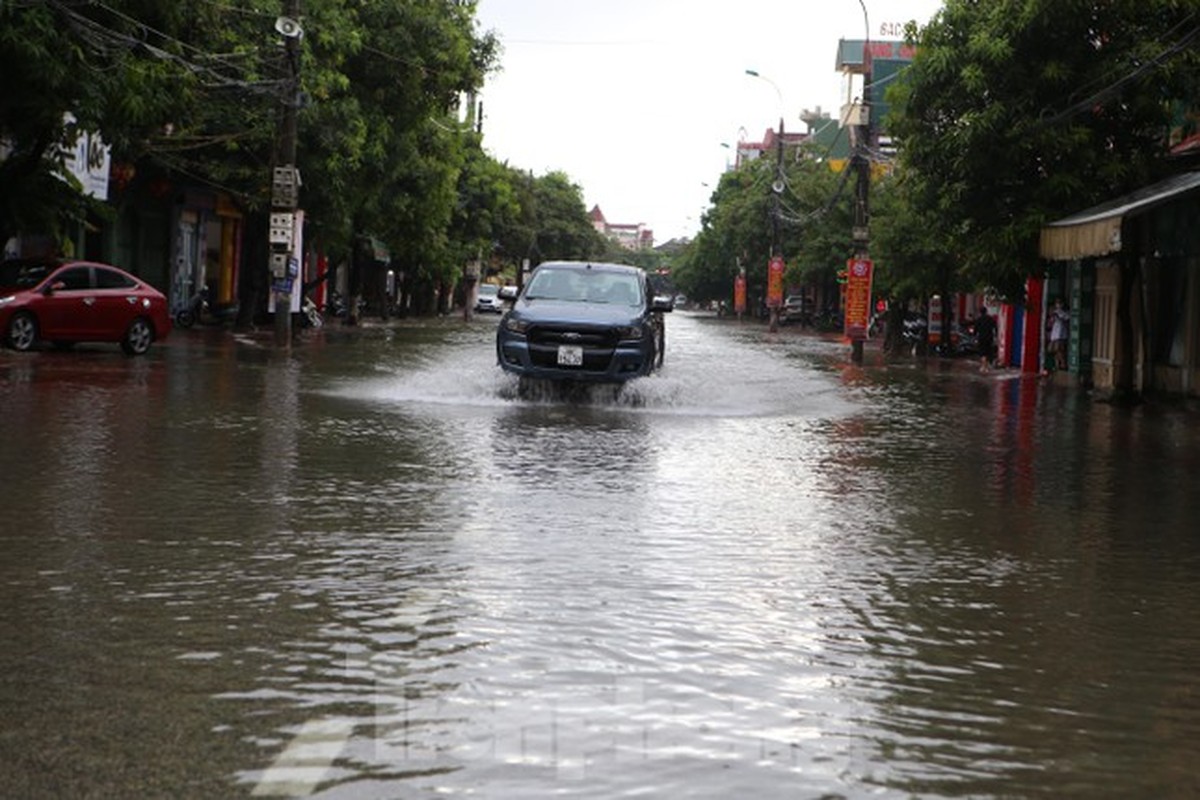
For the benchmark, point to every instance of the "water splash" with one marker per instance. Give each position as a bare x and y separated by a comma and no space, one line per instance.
708,373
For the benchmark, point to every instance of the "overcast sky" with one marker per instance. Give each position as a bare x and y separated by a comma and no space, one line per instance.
633,98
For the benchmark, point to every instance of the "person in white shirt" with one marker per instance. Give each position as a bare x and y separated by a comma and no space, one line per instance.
1059,323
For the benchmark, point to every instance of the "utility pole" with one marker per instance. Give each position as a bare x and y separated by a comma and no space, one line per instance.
862,185
285,183
777,191
775,266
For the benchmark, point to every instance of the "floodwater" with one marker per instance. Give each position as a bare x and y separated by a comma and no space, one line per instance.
372,570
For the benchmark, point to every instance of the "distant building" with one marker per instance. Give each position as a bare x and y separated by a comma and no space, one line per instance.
769,145
631,237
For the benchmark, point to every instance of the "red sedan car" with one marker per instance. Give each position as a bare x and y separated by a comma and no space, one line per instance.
78,301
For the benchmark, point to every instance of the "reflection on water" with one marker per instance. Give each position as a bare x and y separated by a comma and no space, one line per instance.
370,569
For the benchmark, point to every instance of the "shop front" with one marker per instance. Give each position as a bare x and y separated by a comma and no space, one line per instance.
1131,270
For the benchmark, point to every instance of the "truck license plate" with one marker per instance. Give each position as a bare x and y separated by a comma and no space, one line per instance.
570,355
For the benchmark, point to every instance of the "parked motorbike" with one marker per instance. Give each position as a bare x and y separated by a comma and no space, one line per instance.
914,333
310,315
196,306
964,341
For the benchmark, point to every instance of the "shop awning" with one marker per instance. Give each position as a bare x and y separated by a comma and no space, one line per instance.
1097,231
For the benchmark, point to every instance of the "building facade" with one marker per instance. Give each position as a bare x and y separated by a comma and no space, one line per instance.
630,236
1130,270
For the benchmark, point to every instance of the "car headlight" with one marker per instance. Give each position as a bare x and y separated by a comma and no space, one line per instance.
630,331
516,325
6,300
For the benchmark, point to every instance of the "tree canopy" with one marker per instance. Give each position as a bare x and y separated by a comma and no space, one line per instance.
1013,113
812,214
387,147
1016,112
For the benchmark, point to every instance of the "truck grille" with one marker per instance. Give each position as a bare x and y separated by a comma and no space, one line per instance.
588,337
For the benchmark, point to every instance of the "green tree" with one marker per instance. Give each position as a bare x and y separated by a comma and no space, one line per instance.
813,215
197,89
488,205
562,229
1016,112
735,234
120,69
380,137
911,260
818,220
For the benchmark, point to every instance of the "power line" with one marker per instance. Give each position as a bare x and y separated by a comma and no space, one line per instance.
1090,102
109,42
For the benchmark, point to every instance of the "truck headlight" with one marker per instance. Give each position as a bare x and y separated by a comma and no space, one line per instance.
516,325
630,332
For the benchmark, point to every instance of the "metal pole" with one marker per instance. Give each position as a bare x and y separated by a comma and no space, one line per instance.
777,190
862,186
287,158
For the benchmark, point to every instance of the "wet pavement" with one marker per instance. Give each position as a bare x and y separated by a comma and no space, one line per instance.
369,569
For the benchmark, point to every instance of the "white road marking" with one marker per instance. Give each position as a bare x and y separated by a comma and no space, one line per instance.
305,762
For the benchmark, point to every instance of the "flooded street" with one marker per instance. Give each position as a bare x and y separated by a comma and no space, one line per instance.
371,570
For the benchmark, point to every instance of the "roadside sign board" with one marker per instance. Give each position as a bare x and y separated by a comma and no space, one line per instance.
859,272
775,282
739,294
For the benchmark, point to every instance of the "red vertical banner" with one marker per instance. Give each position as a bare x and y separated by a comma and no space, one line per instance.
775,282
739,294
322,285
1031,350
859,273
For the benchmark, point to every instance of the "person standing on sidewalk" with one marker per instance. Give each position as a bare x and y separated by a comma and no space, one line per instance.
1060,328
985,335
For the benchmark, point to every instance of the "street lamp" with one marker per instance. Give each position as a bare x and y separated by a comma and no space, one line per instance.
755,74
738,149
777,189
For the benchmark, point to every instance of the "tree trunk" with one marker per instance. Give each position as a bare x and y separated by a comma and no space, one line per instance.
254,275
893,336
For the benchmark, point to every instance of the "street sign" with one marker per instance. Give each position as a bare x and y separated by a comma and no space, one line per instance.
775,282
859,272
739,294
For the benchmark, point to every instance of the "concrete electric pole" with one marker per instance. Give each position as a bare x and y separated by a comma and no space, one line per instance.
285,183
861,142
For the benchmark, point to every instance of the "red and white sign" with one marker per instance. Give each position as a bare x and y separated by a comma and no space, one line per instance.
859,272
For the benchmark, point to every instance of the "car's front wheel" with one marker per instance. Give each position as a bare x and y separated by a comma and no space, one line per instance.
22,331
138,337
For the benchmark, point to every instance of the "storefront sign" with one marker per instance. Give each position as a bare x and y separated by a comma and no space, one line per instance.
87,158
